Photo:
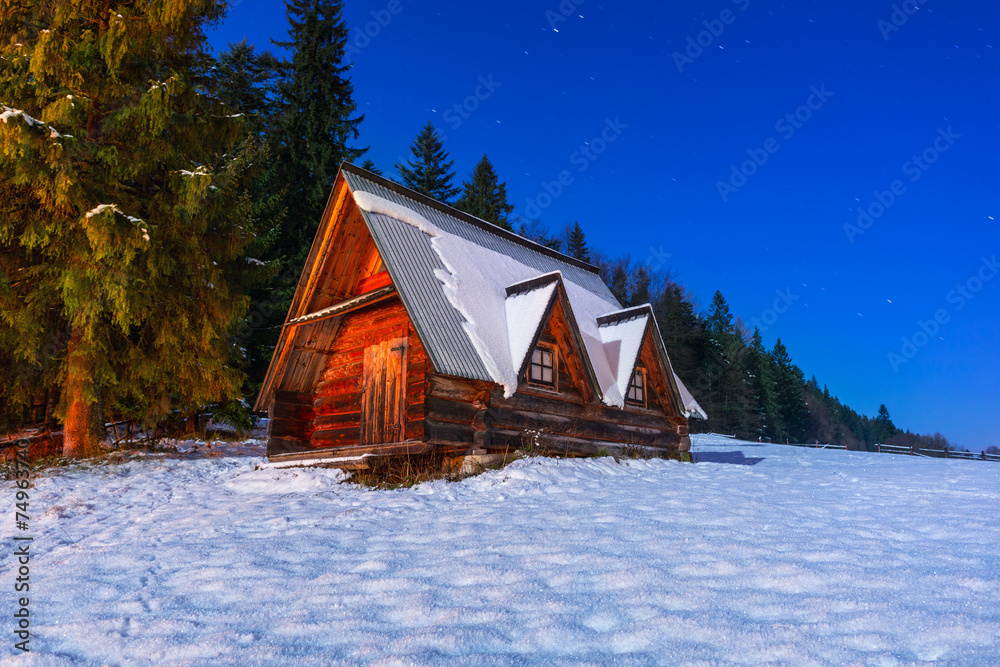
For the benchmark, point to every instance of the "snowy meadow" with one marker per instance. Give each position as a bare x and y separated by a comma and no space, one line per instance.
755,554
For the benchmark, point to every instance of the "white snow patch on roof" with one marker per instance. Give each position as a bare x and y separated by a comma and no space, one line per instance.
622,341
524,316
375,204
691,407
475,283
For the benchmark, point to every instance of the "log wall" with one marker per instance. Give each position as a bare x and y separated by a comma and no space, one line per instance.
337,398
571,423
456,412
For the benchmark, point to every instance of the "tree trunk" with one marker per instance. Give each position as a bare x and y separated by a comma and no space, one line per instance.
78,392
191,426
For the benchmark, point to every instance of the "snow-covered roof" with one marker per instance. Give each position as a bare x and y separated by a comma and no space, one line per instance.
477,295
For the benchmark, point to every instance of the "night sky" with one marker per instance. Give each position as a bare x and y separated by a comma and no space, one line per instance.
731,142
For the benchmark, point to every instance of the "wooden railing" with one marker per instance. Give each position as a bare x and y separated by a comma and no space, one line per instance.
911,451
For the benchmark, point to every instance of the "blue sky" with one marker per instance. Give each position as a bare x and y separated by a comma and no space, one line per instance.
644,111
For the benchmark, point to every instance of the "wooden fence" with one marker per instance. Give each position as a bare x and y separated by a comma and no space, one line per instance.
896,449
912,451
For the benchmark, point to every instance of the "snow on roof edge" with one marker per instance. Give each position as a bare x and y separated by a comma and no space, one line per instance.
491,332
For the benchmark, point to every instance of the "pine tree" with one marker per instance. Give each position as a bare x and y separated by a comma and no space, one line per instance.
316,121
641,288
369,165
430,171
683,333
789,399
719,320
122,223
247,82
725,374
536,231
884,428
761,378
577,246
619,282
485,197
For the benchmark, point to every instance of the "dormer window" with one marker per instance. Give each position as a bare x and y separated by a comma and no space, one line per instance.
636,394
542,367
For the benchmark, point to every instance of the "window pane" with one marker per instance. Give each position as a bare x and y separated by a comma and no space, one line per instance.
547,375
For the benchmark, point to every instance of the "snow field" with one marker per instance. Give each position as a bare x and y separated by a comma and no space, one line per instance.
758,554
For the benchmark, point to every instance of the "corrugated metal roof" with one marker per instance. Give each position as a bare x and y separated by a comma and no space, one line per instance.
411,262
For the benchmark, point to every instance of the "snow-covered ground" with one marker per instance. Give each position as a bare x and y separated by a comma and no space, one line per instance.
755,554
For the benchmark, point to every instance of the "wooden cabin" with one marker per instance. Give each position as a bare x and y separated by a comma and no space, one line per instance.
415,326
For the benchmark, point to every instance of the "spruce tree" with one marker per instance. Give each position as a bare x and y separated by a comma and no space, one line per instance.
577,246
790,403
719,320
641,288
729,395
536,231
884,427
122,223
369,165
430,171
316,121
682,331
761,375
485,197
619,281
247,83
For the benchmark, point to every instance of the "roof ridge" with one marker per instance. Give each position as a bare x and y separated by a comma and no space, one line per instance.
466,217
532,284
630,313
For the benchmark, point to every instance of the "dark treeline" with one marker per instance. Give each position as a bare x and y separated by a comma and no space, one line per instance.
250,144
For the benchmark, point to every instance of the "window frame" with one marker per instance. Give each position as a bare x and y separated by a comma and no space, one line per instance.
639,371
541,384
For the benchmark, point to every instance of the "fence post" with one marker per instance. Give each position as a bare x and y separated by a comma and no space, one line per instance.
911,450
878,447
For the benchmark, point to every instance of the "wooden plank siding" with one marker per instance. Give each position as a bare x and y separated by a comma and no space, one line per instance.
339,396
290,422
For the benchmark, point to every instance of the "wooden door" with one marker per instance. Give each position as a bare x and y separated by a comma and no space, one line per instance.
383,398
